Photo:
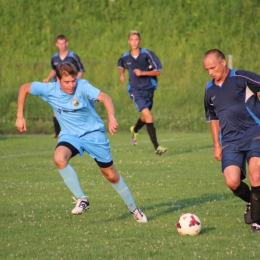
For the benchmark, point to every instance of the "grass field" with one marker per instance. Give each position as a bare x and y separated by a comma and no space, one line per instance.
36,222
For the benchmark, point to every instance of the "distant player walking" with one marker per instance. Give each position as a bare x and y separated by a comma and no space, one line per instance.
63,55
73,100
143,67
233,110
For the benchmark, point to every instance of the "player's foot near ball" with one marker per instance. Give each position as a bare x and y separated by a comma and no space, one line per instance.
81,205
255,228
138,215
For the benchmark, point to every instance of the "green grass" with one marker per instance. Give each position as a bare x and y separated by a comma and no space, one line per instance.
36,222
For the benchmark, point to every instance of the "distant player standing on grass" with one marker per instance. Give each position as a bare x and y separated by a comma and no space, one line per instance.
72,100
63,55
233,109
143,67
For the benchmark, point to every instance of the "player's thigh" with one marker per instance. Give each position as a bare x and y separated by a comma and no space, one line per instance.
233,165
97,146
254,171
253,158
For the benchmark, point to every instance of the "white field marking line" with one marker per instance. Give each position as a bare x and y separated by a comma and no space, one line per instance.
115,144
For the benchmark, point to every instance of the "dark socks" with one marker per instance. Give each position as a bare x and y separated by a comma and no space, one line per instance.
255,204
56,126
243,192
139,124
152,133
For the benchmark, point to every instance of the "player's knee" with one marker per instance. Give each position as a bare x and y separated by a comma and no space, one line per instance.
60,160
254,178
232,184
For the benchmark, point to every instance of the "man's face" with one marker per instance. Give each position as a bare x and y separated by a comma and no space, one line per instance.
134,41
67,84
62,45
215,66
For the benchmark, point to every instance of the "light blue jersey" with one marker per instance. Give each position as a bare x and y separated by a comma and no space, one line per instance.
75,112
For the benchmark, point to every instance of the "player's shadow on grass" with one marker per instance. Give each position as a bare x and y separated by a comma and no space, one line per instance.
154,211
176,205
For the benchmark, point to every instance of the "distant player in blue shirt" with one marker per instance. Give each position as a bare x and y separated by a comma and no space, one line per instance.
63,55
82,130
233,109
143,67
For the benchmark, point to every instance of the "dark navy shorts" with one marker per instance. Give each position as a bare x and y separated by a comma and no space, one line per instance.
239,154
142,98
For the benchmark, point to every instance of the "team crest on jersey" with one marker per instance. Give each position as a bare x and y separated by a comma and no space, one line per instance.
75,102
58,111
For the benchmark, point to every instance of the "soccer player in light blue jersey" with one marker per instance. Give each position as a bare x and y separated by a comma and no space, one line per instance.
82,129
233,109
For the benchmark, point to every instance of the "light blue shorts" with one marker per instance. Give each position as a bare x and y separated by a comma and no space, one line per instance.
95,144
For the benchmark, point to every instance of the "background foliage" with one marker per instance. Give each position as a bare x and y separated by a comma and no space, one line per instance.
179,32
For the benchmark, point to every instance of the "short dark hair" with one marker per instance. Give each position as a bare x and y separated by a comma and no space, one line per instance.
217,52
66,69
61,37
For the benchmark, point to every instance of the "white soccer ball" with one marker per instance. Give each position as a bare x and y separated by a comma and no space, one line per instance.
189,224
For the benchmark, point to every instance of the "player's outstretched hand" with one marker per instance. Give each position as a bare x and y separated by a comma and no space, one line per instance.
20,124
112,126
45,80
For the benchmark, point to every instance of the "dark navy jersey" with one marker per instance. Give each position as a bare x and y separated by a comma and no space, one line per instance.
145,61
236,105
72,57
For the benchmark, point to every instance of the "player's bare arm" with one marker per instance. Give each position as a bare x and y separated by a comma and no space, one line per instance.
147,73
122,74
80,74
51,75
20,121
108,103
215,129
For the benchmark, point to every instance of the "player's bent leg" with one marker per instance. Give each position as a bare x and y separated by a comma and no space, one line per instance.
61,157
124,192
240,189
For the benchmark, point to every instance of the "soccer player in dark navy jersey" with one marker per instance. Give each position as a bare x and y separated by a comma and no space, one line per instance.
63,55
143,67
233,109
72,100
